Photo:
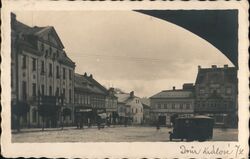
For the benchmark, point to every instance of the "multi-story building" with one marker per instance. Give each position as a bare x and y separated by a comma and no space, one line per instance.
40,68
130,108
89,98
111,106
168,104
146,114
216,94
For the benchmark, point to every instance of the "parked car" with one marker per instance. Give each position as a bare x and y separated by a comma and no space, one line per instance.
192,128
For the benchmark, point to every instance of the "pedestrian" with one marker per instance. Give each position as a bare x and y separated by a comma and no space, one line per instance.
158,126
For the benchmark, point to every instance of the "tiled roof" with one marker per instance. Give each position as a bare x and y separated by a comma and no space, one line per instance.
173,94
122,97
83,84
27,31
230,74
145,106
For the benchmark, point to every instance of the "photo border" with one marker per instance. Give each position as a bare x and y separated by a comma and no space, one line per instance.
124,149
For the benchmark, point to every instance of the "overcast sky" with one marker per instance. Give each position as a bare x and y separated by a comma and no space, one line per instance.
129,50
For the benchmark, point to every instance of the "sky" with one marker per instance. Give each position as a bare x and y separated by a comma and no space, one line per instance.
129,50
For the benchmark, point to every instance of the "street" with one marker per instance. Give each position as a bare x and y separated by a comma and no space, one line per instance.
111,134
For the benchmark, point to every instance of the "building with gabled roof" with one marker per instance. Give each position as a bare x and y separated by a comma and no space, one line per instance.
40,68
169,104
216,90
89,99
130,108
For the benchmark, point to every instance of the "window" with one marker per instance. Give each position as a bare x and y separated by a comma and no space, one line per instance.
24,62
173,106
50,90
64,73
42,67
46,53
135,110
24,90
202,91
33,64
159,106
57,53
70,74
50,51
57,72
42,89
188,106
63,92
33,89
69,95
42,47
165,106
57,91
228,90
50,69
181,106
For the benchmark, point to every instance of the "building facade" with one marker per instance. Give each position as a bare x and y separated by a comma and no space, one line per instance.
216,94
168,104
146,114
40,68
130,108
90,100
111,106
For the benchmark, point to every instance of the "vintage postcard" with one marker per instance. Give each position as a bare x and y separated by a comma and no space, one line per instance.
125,79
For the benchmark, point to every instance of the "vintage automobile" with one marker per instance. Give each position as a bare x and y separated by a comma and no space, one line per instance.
192,128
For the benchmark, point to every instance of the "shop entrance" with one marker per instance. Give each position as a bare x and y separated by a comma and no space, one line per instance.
162,120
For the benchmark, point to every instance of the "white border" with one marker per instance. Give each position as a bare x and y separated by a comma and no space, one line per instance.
120,150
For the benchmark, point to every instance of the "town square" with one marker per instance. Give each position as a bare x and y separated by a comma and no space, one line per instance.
121,80
52,100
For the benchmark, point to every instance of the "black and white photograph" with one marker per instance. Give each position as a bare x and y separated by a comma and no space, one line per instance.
143,75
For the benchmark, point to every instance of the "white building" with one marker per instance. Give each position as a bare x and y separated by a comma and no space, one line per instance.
131,107
39,67
171,103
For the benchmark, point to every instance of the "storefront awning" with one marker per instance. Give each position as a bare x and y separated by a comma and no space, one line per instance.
103,115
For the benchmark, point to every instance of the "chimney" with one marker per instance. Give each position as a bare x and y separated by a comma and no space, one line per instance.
85,74
225,66
174,88
111,89
199,67
214,66
132,94
90,76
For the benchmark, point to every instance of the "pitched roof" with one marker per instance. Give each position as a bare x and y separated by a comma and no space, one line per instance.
179,93
230,74
122,97
83,84
38,32
145,106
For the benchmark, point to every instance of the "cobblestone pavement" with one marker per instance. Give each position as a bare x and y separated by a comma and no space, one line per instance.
111,134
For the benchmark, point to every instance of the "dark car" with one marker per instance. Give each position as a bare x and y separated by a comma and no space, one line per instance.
192,128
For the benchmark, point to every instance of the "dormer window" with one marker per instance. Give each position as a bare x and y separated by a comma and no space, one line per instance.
24,62
54,56
42,47
50,51
46,53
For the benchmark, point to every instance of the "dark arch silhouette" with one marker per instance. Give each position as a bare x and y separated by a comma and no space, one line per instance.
218,27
